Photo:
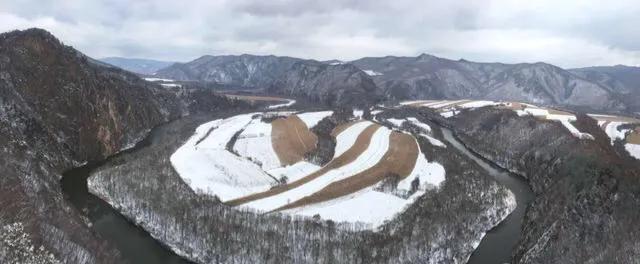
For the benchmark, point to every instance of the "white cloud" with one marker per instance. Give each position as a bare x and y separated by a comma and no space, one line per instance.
566,33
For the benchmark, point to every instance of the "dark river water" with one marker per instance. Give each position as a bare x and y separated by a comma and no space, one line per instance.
135,244
499,242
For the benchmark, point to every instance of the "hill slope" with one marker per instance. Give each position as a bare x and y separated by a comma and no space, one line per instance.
140,66
58,109
428,76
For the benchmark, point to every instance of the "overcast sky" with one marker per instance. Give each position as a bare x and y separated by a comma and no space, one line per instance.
563,32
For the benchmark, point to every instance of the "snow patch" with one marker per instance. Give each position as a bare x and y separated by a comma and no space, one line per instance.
419,124
633,149
288,103
396,122
313,118
372,73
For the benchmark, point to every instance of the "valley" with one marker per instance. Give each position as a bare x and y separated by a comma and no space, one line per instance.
268,159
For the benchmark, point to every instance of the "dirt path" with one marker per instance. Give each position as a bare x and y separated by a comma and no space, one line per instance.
399,160
361,144
291,139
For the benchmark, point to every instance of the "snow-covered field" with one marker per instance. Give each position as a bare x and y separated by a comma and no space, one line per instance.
633,149
255,143
209,168
311,119
288,103
370,157
449,108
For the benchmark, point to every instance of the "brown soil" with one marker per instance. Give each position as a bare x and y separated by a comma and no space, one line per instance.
361,144
337,130
634,137
291,139
399,160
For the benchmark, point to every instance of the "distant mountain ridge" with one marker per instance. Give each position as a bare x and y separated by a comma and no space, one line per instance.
422,77
140,66
331,84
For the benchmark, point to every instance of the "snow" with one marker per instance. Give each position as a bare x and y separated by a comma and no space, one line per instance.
396,122
171,85
372,73
612,131
369,158
358,113
442,103
366,206
478,104
312,118
375,112
372,207
255,143
448,114
294,171
633,149
157,80
288,103
347,137
434,141
412,102
419,124
208,168
429,173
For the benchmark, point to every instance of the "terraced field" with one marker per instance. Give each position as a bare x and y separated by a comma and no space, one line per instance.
253,164
611,124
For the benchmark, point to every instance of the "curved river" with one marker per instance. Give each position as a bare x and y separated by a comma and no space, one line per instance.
134,243
498,244
137,246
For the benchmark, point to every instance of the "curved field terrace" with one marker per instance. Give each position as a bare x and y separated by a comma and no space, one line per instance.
256,162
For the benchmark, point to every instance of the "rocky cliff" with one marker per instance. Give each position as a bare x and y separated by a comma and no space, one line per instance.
59,109
585,192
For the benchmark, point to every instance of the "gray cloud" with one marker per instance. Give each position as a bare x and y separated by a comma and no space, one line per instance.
566,33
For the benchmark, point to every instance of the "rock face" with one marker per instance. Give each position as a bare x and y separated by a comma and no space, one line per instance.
140,66
585,192
431,77
325,83
59,109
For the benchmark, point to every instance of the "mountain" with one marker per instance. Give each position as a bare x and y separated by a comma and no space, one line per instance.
60,109
428,76
140,66
624,81
331,84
